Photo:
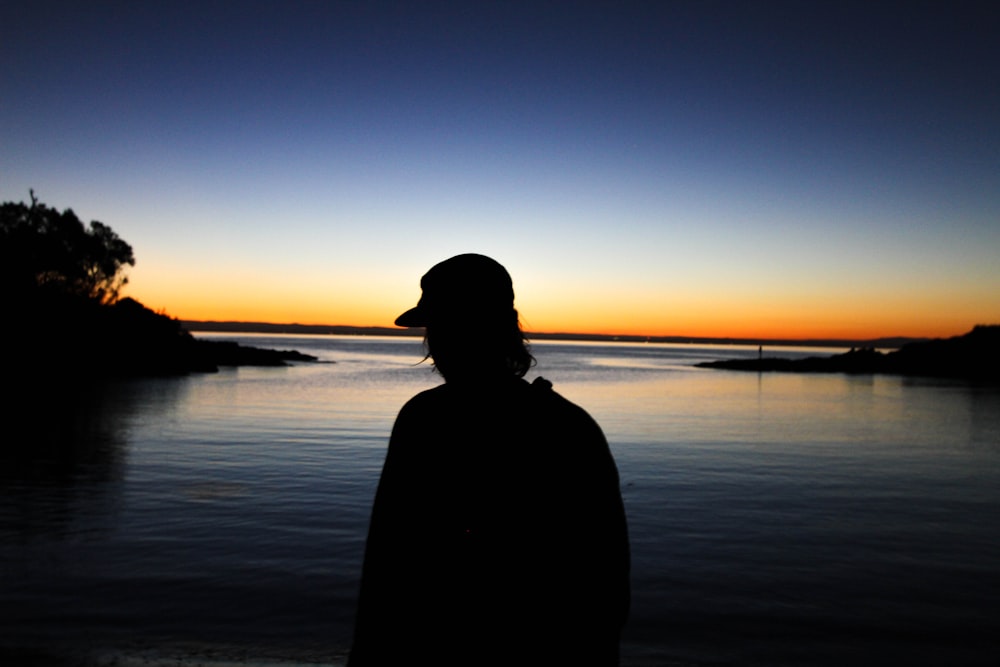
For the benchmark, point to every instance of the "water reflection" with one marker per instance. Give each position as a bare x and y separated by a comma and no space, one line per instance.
62,468
776,519
983,406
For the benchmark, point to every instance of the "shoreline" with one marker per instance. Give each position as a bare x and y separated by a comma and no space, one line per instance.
971,356
213,326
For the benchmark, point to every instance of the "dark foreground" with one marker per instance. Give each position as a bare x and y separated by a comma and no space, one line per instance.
178,656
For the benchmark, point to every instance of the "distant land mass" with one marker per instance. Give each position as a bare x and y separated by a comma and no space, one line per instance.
887,343
69,338
973,356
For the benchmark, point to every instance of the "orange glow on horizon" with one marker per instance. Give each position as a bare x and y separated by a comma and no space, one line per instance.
786,331
719,311
745,325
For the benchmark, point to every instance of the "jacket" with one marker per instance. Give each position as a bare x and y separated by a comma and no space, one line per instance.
497,536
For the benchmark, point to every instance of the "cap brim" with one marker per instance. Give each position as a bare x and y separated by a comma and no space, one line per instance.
414,317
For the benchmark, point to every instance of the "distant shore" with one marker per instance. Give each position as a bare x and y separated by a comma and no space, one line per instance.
214,326
971,356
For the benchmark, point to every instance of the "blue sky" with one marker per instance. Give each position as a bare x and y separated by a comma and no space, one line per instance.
691,168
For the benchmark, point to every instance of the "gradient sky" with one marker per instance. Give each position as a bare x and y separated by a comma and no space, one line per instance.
758,169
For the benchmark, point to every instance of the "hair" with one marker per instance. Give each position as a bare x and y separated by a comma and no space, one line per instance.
479,346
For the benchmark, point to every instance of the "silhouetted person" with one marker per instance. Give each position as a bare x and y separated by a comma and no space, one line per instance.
498,535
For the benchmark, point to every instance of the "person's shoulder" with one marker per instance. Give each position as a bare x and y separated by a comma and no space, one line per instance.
419,412
544,393
542,389
428,399
568,428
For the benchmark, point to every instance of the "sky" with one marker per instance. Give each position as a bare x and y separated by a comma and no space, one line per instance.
704,168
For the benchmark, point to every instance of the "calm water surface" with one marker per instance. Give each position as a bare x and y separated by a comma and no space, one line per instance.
775,519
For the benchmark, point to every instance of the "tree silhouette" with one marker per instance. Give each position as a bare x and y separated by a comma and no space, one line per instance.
43,251
65,325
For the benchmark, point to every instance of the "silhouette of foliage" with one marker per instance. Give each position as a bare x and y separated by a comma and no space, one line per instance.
60,281
43,250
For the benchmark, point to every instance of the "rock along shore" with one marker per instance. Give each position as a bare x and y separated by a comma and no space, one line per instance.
974,355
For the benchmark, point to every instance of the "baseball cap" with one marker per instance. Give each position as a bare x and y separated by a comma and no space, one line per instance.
464,285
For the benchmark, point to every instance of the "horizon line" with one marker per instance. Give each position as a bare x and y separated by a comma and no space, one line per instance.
241,326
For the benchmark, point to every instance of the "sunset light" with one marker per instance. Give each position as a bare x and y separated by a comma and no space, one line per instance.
664,169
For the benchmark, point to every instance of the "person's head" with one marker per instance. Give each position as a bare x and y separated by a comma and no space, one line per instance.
472,328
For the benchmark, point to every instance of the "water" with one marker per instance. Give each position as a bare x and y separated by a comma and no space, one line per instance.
775,519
